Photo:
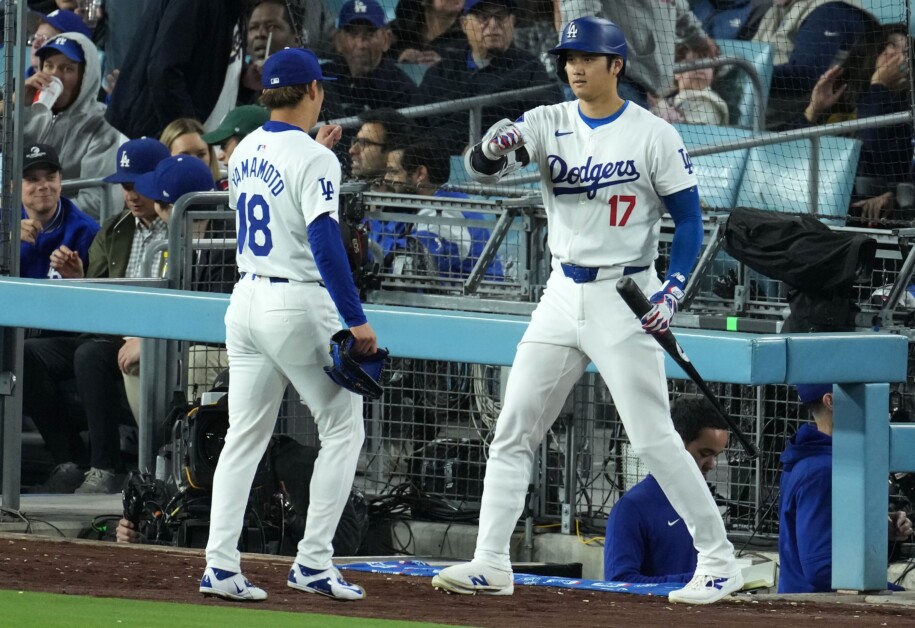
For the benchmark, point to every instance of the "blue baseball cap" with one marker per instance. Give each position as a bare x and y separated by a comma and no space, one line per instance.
66,22
136,158
69,47
362,10
174,177
812,393
292,66
470,5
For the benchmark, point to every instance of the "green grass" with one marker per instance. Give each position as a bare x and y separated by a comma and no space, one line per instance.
50,610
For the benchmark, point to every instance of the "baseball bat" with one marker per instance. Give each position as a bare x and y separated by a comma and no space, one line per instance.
640,306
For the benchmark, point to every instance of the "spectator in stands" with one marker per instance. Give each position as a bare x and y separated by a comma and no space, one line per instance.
67,116
117,251
270,27
652,31
365,78
49,220
425,30
54,23
646,539
730,19
806,36
423,169
235,126
694,101
491,64
172,71
382,130
871,80
805,510
184,136
173,178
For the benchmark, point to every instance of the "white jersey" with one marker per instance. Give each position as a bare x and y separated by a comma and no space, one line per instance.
602,187
280,180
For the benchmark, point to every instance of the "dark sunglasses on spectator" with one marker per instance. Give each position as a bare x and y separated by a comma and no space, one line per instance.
363,143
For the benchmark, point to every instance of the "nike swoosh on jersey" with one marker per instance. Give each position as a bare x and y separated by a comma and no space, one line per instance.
674,522
561,133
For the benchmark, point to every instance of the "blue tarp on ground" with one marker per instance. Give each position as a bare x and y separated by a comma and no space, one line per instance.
419,568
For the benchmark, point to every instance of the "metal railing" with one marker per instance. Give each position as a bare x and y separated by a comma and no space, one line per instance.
107,210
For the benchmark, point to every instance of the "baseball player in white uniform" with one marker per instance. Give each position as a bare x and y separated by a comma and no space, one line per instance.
284,188
609,169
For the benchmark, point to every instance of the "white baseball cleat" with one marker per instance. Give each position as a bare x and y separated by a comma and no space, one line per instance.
474,577
327,582
705,589
230,585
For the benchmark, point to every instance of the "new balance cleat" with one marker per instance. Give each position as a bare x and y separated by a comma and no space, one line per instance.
327,582
230,585
704,589
472,578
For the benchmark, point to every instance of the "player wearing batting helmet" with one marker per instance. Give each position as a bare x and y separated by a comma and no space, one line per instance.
609,170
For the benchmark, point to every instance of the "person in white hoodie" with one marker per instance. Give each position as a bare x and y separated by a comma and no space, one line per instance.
65,114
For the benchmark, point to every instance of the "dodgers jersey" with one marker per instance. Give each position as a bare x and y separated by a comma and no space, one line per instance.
280,180
601,187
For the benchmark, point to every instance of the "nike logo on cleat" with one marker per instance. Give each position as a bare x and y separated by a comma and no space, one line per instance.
238,589
561,133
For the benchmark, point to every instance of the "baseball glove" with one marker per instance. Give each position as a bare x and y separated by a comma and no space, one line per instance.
361,375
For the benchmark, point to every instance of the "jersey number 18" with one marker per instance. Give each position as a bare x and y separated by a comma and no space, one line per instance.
254,218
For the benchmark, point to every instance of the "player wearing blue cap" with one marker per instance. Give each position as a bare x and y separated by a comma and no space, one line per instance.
284,188
609,170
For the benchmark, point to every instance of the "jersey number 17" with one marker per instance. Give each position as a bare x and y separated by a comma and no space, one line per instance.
628,203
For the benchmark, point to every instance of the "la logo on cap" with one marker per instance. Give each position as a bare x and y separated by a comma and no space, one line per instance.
125,160
359,7
572,33
60,41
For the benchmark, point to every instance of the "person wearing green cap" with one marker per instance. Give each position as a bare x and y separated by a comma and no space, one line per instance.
234,127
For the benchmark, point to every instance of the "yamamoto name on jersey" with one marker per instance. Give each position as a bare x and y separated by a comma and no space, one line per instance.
261,169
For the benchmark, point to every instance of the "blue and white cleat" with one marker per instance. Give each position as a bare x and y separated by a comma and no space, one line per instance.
230,585
705,589
474,577
327,582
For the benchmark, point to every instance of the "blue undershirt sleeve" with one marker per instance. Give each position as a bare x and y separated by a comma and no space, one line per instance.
330,258
684,208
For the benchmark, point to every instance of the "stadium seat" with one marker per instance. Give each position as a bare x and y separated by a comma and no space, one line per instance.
719,174
389,6
415,71
777,176
886,11
736,87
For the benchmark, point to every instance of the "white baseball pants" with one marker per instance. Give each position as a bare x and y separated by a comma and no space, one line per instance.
575,323
276,334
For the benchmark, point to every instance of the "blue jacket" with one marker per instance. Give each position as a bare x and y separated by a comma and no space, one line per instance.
646,540
69,227
805,513
729,19
392,236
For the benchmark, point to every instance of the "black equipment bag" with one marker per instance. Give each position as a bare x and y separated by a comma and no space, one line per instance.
820,265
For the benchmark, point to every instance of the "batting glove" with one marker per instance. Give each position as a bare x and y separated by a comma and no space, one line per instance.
502,138
664,305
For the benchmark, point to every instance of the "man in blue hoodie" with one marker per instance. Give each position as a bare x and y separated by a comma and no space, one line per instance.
49,220
647,540
805,511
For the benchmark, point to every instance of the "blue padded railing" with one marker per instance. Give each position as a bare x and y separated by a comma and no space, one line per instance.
865,447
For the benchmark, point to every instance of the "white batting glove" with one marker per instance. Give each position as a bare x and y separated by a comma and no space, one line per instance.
502,138
664,305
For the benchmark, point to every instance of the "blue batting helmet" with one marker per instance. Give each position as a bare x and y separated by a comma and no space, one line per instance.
591,34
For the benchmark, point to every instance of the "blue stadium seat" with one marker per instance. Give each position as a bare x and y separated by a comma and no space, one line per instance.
886,11
415,71
737,88
777,176
389,6
719,174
